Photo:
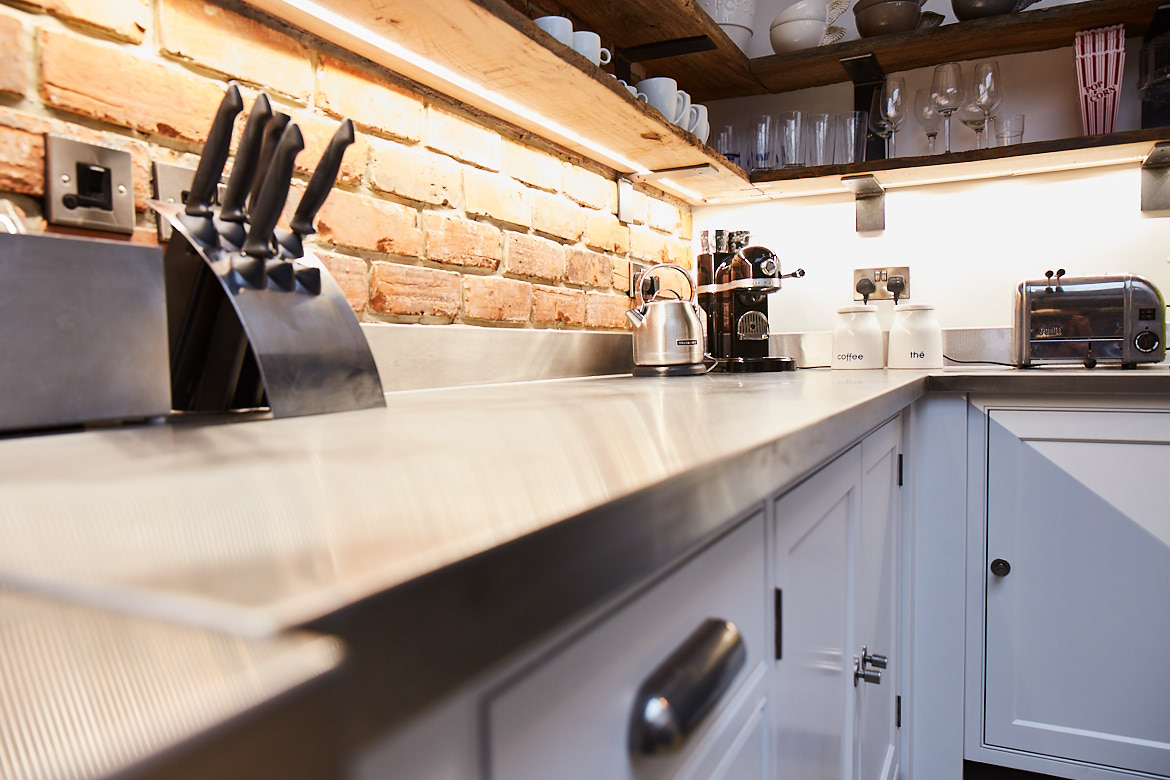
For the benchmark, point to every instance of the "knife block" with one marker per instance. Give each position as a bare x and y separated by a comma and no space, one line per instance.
246,333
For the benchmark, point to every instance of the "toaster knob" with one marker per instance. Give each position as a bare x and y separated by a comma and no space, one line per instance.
1146,341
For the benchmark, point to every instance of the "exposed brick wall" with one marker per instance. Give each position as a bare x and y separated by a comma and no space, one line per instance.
437,216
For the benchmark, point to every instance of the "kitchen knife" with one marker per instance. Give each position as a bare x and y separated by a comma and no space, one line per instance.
197,215
231,211
272,133
320,185
273,192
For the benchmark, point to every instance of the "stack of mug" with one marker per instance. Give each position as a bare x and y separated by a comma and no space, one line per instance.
794,139
662,93
585,43
674,104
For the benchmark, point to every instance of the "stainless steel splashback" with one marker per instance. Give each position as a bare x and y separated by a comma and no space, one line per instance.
83,332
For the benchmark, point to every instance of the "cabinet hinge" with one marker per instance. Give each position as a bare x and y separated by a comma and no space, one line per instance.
899,469
898,712
778,605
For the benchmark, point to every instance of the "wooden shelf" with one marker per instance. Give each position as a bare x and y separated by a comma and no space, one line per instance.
491,57
1061,154
720,72
1039,30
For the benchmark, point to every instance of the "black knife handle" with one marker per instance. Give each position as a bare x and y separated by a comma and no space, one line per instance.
321,183
240,182
215,153
272,133
273,193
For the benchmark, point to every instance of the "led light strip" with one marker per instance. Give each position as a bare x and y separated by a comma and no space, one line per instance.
349,27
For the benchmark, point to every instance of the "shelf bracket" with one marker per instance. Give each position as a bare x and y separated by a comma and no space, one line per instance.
1156,178
685,172
867,76
871,202
624,58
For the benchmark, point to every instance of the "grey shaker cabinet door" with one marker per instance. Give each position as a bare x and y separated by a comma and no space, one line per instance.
1077,585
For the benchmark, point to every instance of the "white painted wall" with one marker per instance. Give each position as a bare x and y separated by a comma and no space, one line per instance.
968,244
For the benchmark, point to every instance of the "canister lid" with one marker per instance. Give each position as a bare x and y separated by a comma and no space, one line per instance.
858,309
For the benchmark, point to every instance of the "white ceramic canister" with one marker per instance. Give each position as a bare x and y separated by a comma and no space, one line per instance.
857,339
915,337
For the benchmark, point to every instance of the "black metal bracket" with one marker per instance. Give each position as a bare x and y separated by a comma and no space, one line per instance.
867,76
624,58
1156,178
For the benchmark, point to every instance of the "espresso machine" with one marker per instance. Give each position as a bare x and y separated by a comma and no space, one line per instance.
735,281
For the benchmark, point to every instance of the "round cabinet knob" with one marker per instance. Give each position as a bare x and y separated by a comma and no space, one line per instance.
1000,567
1146,341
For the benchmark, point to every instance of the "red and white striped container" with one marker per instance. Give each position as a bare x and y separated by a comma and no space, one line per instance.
1100,61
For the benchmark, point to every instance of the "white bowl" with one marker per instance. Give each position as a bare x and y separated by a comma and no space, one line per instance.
814,10
796,35
741,36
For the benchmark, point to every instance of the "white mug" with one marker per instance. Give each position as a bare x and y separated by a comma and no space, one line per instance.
663,93
703,131
683,119
698,118
558,27
588,45
637,95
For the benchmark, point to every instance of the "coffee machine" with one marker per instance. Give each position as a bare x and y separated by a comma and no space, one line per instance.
735,282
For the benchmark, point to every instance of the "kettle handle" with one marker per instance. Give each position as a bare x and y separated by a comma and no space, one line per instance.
642,277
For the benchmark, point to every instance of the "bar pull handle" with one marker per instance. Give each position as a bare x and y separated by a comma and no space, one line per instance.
678,694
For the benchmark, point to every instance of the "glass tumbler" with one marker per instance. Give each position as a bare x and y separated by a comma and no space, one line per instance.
727,143
851,130
818,138
761,143
790,132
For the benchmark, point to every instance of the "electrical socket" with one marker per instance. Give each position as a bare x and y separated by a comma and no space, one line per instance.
88,186
880,277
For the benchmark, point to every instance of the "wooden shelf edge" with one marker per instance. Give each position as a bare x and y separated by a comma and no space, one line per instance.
1063,153
1028,31
492,48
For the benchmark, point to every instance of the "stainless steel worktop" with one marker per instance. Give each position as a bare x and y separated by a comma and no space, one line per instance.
260,526
87,693
487,515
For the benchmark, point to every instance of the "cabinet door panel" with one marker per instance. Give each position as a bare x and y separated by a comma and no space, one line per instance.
1077,631
814,676
876,619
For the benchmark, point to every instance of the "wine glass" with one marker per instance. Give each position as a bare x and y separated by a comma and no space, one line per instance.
973,117
985,92
928,117
946,90
893,106
879,121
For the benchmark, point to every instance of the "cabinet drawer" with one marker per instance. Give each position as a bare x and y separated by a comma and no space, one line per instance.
569,716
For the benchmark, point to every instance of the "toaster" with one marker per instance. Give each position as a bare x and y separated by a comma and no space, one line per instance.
1116,318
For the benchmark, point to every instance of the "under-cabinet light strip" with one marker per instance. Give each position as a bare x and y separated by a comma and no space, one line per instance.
372,38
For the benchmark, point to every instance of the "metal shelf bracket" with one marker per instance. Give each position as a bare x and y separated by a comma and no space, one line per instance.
1156,178
871,202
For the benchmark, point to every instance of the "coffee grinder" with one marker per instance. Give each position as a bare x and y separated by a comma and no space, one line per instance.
736,301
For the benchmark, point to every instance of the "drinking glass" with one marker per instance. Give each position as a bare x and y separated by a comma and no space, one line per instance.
985,92
851,129
973,117
818,138
790,139
728,144
879,121
928,117
761,143
1010,129
946,90
894,108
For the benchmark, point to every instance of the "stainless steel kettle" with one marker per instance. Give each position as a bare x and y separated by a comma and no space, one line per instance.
668,334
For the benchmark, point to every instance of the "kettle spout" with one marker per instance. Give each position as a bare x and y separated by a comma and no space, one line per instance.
635,317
